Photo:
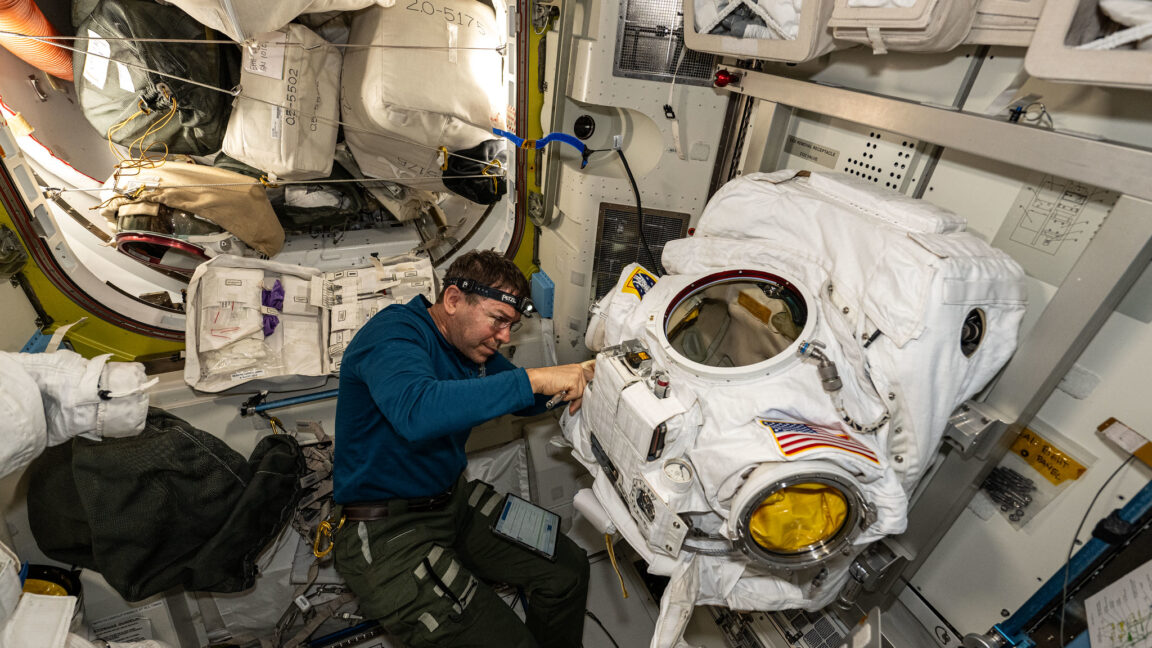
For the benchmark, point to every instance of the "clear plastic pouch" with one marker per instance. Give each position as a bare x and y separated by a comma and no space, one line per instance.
1039,466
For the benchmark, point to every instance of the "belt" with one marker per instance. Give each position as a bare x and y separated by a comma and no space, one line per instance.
367,511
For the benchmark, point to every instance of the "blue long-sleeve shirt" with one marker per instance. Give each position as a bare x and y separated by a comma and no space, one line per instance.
408,400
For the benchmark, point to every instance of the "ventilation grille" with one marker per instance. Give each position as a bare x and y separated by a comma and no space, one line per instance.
618,241
649,41
815,629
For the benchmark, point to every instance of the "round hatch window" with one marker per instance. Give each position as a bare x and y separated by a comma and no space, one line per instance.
735,318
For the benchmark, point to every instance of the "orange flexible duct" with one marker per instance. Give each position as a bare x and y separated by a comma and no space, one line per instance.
24,17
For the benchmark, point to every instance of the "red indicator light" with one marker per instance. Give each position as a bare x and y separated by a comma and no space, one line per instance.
724,77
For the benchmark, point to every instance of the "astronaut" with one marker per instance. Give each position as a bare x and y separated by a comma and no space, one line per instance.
417,546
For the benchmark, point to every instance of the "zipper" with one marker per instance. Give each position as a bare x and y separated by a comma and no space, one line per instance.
234,19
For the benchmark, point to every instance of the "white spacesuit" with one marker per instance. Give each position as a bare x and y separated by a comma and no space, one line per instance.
762,412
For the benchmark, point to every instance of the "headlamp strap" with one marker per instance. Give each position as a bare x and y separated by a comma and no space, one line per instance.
523,305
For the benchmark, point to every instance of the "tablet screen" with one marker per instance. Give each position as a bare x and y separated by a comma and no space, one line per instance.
528,525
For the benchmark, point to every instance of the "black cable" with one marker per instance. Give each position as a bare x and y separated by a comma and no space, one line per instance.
610,637
639,215
1067,566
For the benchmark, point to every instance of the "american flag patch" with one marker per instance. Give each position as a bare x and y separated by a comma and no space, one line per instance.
797,438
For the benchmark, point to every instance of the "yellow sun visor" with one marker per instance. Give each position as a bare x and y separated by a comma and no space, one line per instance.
796,517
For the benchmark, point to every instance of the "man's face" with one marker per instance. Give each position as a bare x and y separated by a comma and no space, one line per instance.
481,327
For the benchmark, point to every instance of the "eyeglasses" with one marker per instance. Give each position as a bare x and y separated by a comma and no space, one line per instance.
499,324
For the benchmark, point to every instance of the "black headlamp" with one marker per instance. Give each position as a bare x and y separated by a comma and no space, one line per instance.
523,305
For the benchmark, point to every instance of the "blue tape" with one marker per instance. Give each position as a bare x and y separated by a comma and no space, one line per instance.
571,140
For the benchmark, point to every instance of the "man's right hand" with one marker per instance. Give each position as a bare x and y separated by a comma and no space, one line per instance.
569,380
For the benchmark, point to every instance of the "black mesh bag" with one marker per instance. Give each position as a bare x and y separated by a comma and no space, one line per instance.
111,91
172,506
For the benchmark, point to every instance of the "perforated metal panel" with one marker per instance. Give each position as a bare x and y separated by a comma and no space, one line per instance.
618,241
649,41
812,629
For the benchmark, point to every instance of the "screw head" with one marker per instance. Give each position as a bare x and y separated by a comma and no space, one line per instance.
899,459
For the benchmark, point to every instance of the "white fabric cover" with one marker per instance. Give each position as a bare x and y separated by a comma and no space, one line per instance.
25,430
244,19
1128,12
1135,14
781,17
297,142
912,26
91,398
10,585
866,259
39,620
424,87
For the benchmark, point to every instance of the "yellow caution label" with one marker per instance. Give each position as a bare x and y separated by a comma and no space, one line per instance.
1048,460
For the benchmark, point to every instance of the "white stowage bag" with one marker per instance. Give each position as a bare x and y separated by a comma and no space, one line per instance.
245,19
780,18
285,121
905,25
435,78
889,287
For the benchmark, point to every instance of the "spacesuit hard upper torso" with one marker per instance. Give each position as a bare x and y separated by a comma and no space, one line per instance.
762,412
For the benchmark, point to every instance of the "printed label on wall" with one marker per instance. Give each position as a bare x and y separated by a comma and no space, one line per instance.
811,151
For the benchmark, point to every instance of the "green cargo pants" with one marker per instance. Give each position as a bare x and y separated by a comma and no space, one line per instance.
424,577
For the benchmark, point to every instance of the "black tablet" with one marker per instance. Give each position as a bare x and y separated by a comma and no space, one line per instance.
530,526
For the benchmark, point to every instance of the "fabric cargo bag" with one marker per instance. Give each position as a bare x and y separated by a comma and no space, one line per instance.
114,81
285,120
423,79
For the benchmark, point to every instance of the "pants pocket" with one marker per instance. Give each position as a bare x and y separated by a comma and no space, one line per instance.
385,588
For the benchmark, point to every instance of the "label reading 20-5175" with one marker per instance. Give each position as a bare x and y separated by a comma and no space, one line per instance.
451,15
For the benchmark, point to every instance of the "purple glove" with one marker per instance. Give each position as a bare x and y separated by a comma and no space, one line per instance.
275,299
